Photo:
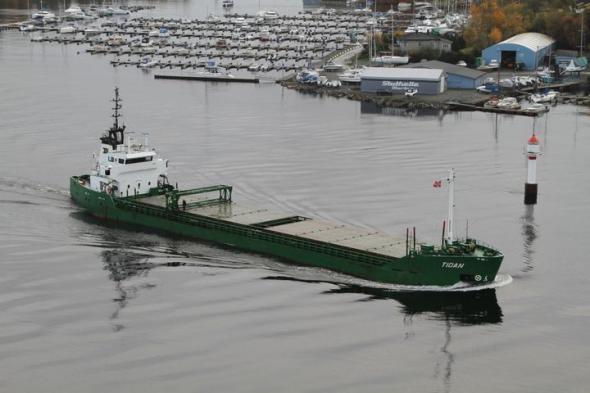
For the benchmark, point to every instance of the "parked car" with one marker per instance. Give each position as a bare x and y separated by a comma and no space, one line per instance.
411,92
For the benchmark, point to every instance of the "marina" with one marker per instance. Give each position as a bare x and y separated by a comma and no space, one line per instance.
284,43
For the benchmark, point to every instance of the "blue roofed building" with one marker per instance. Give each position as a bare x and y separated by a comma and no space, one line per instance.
527,50
457,77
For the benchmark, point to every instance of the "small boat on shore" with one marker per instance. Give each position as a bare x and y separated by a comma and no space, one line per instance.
508,103
550,96
536,108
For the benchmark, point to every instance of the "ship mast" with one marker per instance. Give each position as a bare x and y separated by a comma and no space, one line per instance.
115,135
451,220
118,106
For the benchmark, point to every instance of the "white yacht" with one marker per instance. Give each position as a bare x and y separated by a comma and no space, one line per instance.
351,76
120,11
68,29
43,15
73,10
92,30
268,14
27,27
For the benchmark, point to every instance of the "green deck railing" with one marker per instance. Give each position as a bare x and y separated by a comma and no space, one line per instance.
244,230
173,196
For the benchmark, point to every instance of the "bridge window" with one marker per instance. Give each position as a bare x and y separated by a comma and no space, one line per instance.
139,159
121,161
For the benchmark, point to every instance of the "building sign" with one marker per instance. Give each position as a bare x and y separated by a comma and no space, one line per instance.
400,85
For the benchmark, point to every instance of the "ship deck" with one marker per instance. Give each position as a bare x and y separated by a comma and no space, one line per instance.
280,222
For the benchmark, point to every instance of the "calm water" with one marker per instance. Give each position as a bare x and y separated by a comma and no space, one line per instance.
89,307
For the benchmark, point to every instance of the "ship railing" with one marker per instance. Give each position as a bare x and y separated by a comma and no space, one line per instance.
259,233
479,243
173,196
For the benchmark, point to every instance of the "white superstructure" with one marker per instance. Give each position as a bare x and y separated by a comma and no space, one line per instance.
126,166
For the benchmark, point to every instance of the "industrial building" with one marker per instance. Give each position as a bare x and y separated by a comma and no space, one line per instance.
416,42
380,80
524,51
457,77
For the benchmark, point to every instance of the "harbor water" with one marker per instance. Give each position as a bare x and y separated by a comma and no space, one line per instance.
87,306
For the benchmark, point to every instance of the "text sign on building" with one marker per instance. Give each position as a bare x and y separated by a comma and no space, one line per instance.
400,85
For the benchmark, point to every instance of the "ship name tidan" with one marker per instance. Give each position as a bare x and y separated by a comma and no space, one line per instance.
453,265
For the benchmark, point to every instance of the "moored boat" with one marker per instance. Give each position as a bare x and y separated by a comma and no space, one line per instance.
129,184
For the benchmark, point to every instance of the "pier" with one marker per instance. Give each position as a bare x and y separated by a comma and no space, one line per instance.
209,78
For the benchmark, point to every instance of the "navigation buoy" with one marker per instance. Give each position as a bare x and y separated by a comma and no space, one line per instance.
530,187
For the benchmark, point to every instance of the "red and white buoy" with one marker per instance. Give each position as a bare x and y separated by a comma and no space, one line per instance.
530,187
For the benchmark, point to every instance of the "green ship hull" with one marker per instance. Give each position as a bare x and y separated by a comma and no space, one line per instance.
421,265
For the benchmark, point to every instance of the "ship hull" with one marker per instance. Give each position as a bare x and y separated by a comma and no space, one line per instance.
413,269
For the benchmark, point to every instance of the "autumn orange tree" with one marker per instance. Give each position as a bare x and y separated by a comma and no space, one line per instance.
492,21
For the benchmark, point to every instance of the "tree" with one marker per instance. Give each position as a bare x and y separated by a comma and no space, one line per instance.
492,21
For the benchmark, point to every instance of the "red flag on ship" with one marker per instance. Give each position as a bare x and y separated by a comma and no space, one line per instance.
437,184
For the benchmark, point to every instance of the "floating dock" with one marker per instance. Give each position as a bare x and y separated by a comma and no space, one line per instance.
469,107
210,78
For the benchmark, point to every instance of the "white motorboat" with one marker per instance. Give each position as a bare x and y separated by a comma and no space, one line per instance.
351,76
333,67
508,103
493,65
92,30
161,33
108,11
42,15
536,108
148,62
74,13
27,27
74,9
268,14
254,67
550,96
572,67
116,40
67,29
120,11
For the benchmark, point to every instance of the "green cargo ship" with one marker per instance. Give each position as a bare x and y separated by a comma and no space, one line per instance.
129,184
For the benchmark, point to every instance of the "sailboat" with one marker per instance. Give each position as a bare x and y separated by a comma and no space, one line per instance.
390,59
43,15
